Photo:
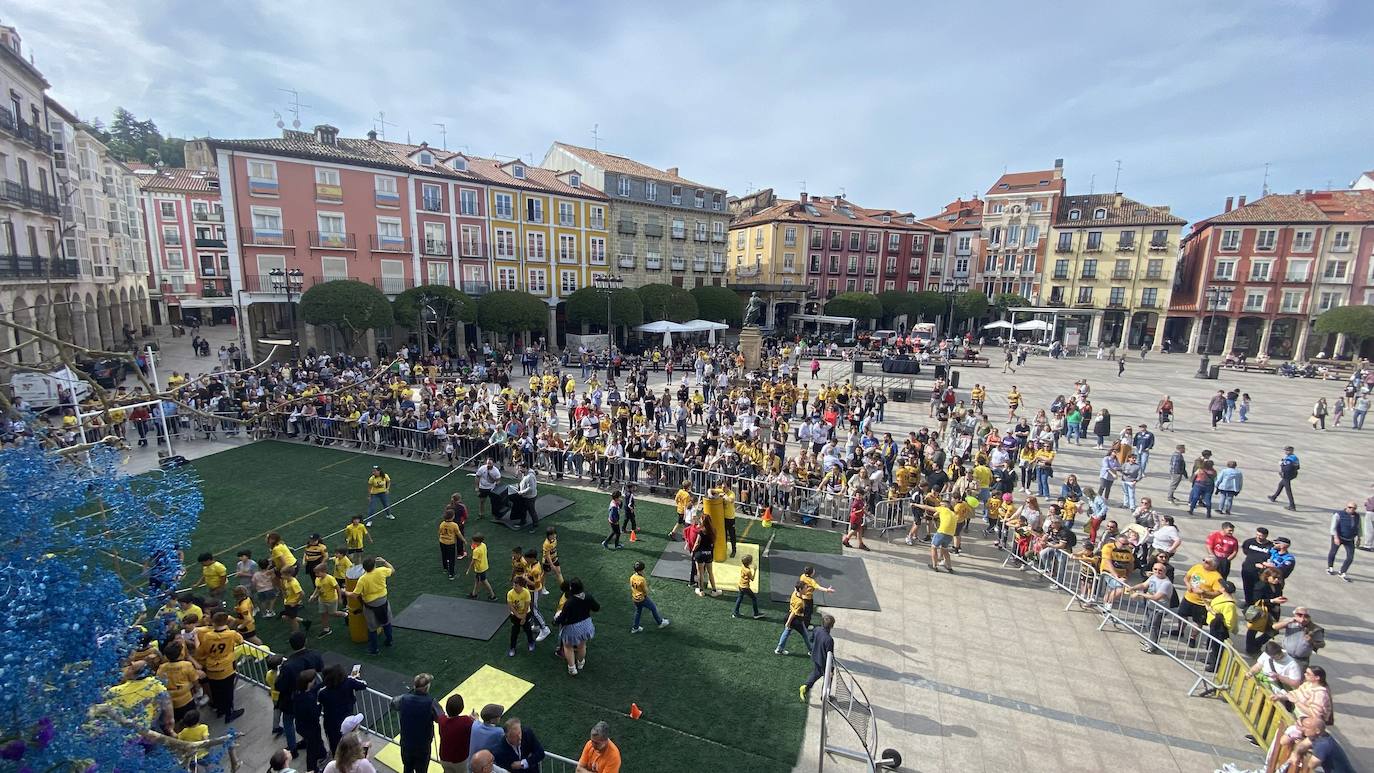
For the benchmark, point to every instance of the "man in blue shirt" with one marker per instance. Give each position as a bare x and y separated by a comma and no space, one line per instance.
1143,441
418,712
822,647
1288,470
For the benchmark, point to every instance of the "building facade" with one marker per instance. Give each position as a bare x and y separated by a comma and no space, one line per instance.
957,246
1018,211
1254,278
1112,268
187,245
665,229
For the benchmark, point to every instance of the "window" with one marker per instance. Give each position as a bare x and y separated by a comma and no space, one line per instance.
911,285
1293,301
961,246
699,231
1037,205
467,202
1160,238
853,240
534,210
1149,297
1094,241
334,267
1297,270
565,213
436,239
506,278
1126,240
178,283
518,171
1122,270
438,271
623,186
651,190
717,201
331,224
1261,270
918,243
850,285
597,248
426,159
535,247
567,249
325,176
1061,269
1013,235
997,208
894,242
871,265
171,236
598,218
1328,300
1254,300
889,285
1085,295
393,276
1230,239
995,235
739,240
852,265
1335,270
1302,240
677,194
567,282
789,261
653,259
384,190
891,267
1009,262
267,225
700,199
538,281
431,197
872,242
1032,235
575,180
168,209
718,231
1340,241
1117,297
262,178
836,240
505,206
834,264
937,245
1100,213
1028,262
389,234
1225,270
1075,214
505,243
960,266
679,230
1065,242
1090,268
789,236
472,240
175,261
1154,268
1265,238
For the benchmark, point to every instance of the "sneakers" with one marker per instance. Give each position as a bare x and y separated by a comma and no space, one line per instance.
472,595
531,647
780,652
717,592
543,634
637,629
572,670
909,541
582,665
665,623
1330,570
326,631
699,592
1347,579
759,616
390,517
802,692
510,653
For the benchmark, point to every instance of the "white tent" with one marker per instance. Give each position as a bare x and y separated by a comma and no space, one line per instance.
1035,324
662,326
1000,324
698,325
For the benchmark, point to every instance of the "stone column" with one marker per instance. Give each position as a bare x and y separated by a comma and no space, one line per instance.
1195,334
1231,325
1158,342
1266,328
552,334
1340,345
1300,348
1094,331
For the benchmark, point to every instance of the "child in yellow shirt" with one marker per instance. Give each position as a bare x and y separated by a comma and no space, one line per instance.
639,594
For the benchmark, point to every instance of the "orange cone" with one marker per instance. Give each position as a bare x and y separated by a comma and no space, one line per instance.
767,517
635,713
634,536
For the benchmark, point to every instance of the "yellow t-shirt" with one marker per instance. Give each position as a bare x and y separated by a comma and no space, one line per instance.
982,475
639,587
291,591
191,609
315,553
372,585
139,692
178,676
797,604
809,586
550,551
328,588
377,484
216,652
341,566
727,503
245,612
534,575
448,532
683,500
354,533
214,575
282,557
194,733
479,557
948,520
1198,576
746,577
519,598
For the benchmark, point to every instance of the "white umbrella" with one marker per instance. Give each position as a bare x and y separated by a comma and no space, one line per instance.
1000,324
1035,324
662,326
667,339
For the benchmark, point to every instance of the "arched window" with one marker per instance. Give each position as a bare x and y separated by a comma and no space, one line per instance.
1100,213
1075,214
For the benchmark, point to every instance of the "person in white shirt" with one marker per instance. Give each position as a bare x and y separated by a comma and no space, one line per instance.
1279,666
1167,538
488,475
526,493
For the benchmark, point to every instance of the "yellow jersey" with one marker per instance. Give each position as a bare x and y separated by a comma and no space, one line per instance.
372,585
217,652
328,588
315,553
639,587
550,549
519,599
341,566
354,534
746,578
448,532
797,604
683,500
282,557
179,676
244,610
378,484
214,575
291,591
479,557
809,586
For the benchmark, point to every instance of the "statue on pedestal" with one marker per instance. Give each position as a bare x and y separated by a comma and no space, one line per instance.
753,313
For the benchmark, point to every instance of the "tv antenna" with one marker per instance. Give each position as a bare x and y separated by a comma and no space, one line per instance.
1264,187
801,183
1116,183
1092,183
443,136
380,123
596,137
294,108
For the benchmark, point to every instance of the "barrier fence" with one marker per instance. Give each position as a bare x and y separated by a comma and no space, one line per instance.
1217,668
379,720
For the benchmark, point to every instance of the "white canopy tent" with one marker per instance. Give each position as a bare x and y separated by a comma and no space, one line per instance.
998,325
704,325
667,328
1034,324
662,326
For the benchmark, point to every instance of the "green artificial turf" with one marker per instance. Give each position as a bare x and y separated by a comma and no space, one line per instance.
710,686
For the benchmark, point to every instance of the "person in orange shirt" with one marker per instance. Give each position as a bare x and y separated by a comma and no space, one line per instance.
600,754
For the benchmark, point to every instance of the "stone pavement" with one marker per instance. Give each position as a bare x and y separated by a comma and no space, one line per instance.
983,670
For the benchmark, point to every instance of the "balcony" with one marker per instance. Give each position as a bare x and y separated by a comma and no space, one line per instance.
436,204
207,215
677,264
699,236
699,265
389,199
746,272
478,287
628,227
1125,247
25,131
625,261
391,285
871,247
653,230
1156,246
31,198
315,280
1093,248
252,236
852,271
1155,276
598,224
381,243
1117,304
472,250
679,233
890,271
1121,274
210,242
718,238
438,248
328,194
717,267
331,240
266,283
1055,302
653,264
34,267
1063,248
1088,276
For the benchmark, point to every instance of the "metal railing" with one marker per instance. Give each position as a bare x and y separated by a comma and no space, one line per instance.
32,266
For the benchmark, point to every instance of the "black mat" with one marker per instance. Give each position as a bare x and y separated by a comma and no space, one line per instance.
674,564
547,505
853,589
468,618
378,678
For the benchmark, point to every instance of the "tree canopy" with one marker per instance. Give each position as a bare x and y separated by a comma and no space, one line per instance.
511,311
348,306
719,304
1004,301
915,306
130,139
588,305
861,306
667,302
450,306
1356,322
970,305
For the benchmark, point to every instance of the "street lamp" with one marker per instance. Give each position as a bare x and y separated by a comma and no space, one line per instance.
1212,297
607,283
289,281
952,289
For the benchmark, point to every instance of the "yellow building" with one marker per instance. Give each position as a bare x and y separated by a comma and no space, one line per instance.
767,255
1111,267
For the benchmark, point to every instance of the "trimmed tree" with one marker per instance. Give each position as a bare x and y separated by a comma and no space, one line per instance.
348,306
667,302
1355,322
509,312
930,304
970,305
1004,301
861,306
451,308
898,302
588,306
719,304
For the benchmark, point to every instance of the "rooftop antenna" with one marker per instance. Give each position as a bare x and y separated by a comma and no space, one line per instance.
380,123
596,137
802,184
842,193
1264,187
1092,183
443,136
1116,182
294,108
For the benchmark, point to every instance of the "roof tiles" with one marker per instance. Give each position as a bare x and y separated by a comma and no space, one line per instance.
1127,212
628,166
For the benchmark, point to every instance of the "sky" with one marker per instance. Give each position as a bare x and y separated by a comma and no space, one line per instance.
903,105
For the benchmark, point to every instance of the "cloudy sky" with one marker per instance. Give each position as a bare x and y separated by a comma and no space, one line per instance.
906,106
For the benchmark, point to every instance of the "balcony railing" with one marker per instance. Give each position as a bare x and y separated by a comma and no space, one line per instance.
1159,245
380,243
653,264
1156,275
653,230
679,233
747,272
627,227
391,285
699,236
472,249
1093,248
625,261
209,242
207,216
475,287
331,240
436,204
25,131
1125,247
699,265
32,198
35,267
678,264
437,247
718,267
718,238
267,237
266,283
1090,275
328,194
1121,275
1062,248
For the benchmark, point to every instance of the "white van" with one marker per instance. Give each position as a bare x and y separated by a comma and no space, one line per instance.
40,391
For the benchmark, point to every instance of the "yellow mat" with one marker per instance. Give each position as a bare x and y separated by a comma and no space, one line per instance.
488,685
727,571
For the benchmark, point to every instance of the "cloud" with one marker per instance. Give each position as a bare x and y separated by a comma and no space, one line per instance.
902,105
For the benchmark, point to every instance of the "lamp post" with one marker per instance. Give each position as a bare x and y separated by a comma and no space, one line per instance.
951,289
289,281
1212,301
607,283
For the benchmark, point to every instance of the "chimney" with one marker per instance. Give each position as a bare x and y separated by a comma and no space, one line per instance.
1229,201
326,134
1240,202
672,171
803,197
372,135
1116,200
1059,169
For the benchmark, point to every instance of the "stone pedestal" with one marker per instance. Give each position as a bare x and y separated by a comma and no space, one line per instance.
751,346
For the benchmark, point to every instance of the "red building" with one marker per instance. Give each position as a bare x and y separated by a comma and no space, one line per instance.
1254,278
856,249
187,250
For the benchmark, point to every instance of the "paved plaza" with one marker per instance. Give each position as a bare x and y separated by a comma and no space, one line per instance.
983,670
